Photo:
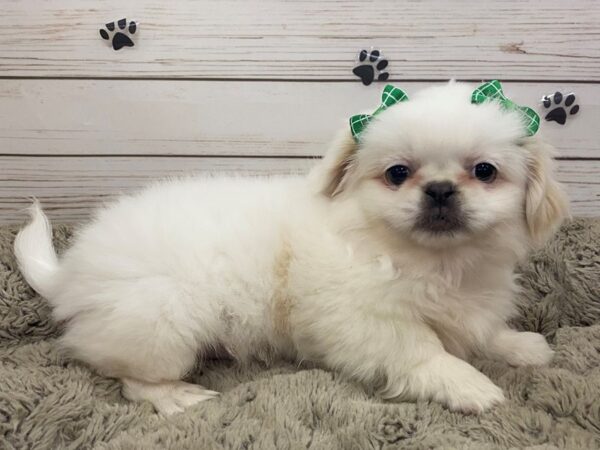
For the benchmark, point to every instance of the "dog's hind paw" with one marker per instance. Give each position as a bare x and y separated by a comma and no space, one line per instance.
521,348
167,397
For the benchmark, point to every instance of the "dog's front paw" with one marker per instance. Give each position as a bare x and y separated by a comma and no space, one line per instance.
472,395
524,348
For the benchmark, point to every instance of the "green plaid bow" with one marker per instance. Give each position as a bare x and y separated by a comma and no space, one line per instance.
390,96
492,90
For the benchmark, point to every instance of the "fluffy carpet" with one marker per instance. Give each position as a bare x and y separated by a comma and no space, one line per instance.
47,402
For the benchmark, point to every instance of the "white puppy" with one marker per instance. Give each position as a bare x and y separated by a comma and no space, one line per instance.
392,262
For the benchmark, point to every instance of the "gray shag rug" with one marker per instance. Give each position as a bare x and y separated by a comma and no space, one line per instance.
47,402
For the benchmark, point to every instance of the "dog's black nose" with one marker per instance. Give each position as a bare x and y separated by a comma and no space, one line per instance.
440,191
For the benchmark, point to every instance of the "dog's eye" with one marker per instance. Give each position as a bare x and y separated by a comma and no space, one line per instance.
485,172
396,175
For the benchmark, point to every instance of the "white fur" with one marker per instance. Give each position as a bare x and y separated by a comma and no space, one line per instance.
327,268
34,251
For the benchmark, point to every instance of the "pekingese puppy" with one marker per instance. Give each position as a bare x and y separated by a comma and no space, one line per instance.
392,262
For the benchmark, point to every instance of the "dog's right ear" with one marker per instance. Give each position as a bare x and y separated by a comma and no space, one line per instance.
546,204
330,175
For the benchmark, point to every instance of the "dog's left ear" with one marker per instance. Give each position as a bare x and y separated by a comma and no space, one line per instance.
330,175
546,204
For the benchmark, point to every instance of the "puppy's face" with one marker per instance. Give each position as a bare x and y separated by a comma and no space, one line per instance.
439,170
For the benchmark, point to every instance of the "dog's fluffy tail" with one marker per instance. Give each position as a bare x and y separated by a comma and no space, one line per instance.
35,253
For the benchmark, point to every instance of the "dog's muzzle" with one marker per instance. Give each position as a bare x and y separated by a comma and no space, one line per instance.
441,211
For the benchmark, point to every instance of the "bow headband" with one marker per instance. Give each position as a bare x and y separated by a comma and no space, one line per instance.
490,91
390,96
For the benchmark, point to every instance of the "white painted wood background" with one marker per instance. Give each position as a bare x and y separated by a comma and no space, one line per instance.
260,86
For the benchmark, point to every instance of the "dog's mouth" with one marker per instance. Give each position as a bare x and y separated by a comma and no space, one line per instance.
441,220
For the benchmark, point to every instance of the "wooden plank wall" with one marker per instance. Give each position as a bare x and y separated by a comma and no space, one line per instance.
260,86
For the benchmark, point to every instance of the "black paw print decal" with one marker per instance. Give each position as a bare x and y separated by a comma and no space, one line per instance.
560,106
121,37
371,65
